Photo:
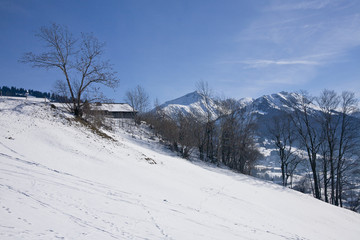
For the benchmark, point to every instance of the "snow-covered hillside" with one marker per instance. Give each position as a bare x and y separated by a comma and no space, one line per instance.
58,180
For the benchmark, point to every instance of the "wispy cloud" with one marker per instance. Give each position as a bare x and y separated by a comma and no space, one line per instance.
264,63
299,5
291,47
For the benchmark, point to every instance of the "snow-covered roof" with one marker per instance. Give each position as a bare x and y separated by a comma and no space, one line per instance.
29,99
114,107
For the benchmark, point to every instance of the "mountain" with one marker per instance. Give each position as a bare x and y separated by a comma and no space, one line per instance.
264,110
196,103
61,180
245,101
192,103
279,101
356,114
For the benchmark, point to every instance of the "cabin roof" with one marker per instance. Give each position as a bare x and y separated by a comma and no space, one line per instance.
114,107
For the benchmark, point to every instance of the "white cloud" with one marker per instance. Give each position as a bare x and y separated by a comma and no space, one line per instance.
265,63
292,47
299,5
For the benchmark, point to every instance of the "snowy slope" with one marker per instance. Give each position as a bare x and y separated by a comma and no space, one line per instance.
58,180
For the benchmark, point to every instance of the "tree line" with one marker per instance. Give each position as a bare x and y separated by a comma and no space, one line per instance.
319,132
324,129
316,131
227,138
21,92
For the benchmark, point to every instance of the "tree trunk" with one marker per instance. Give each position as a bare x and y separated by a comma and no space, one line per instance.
325,180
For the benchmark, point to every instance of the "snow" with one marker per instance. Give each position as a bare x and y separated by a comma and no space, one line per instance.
60,180
192,103
115,107
245,101
187,99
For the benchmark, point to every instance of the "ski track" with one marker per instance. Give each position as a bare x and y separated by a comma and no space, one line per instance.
44,175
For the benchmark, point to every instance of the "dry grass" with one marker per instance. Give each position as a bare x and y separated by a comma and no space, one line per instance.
93,128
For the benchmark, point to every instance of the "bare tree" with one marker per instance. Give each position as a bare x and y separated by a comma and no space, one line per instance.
78,59
187,123
138,99
283,134
329,120
354,201
236,142
309,135
206,93
348,141
199,131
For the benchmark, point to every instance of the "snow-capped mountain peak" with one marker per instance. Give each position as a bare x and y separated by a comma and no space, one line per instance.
280,101
187,99
196,104
192,103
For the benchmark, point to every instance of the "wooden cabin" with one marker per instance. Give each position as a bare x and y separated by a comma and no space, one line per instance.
115,110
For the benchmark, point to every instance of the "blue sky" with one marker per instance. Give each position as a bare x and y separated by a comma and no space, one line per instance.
241,48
